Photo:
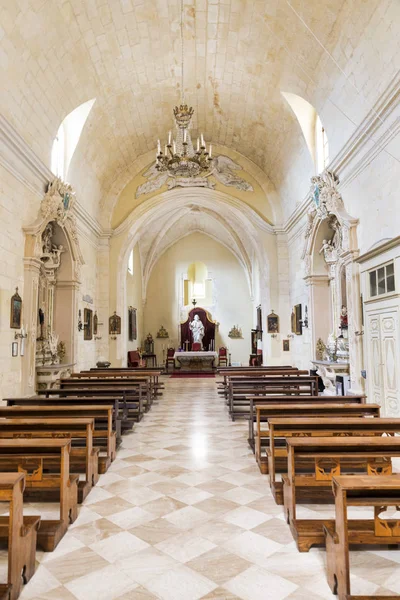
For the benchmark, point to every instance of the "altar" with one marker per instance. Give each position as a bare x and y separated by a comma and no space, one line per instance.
204,361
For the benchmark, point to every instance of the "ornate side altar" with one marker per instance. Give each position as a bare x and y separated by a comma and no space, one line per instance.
196,361
328,370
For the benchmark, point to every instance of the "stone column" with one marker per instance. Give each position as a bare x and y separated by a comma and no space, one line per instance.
357,384
31,295
320,308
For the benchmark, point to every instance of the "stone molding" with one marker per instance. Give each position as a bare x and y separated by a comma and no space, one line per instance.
24,164
358,152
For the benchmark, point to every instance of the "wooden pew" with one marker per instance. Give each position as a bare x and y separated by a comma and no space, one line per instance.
378,493
151,372
29,456
82,460
240,391
331,456
133,394
253,373
142,384
128,411
119,412
308,406
103,434
20,534
280,429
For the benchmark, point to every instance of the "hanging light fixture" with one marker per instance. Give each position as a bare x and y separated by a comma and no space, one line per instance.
179,157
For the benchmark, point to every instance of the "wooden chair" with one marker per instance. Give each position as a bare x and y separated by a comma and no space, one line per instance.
20,534
170,358
330,456
376,492
133,358
29,456
222,356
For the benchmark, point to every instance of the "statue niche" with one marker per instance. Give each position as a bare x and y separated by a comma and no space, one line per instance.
51,259
198,328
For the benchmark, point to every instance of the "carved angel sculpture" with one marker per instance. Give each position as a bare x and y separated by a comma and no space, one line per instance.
155,180
224,171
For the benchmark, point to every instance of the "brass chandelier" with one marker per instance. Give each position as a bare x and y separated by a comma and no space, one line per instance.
179,157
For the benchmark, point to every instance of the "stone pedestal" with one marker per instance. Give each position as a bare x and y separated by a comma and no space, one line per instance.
48,376
328,370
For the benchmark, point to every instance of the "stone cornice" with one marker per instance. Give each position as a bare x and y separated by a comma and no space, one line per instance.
378,249
361,149
23,163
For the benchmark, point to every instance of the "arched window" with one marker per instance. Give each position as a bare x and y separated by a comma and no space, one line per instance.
312,128
130,263
67,138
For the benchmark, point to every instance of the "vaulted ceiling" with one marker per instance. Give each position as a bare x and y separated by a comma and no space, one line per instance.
239,56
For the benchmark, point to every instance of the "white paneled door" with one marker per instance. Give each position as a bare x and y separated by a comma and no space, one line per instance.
382,341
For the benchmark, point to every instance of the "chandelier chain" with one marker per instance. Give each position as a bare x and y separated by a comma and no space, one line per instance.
182,58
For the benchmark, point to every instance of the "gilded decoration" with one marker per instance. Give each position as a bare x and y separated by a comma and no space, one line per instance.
162,333
236,333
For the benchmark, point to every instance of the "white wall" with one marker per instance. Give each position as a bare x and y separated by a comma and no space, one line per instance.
233,305
134,297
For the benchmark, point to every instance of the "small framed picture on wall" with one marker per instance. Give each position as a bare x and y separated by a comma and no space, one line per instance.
286,345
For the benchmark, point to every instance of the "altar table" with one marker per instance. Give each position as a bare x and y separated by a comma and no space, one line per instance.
196,361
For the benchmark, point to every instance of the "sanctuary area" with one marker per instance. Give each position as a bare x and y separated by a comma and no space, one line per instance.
199,299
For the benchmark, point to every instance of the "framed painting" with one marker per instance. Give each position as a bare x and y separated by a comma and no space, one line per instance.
273,323
16,311
87,324
286,345
132,326
114,324
298,321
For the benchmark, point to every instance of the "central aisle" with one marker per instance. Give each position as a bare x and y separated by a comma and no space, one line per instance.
184,514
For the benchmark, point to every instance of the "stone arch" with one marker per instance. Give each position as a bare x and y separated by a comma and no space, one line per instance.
235,213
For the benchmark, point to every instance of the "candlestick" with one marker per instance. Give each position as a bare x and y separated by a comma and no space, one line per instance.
198,145
169,138
174,146
158,146
210,151
202,140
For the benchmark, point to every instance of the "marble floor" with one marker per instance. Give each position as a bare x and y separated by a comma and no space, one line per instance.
184,514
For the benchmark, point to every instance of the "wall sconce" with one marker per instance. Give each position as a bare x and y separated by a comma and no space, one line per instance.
274,335
23,335
80,324
290,335
304,322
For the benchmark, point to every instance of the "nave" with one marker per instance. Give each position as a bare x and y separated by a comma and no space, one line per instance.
184,513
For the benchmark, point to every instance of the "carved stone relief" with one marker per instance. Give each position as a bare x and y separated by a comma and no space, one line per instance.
223,170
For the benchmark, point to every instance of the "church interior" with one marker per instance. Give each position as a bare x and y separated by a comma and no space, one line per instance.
199,299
